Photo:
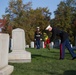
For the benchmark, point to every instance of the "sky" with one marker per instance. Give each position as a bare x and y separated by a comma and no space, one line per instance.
50,4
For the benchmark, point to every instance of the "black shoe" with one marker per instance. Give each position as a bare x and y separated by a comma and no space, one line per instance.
73,58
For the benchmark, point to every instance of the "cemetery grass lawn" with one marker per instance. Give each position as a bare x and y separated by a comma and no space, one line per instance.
45,62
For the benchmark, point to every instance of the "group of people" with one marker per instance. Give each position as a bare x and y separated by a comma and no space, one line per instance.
56,32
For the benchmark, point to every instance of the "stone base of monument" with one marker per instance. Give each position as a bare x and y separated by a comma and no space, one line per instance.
6,70
19,56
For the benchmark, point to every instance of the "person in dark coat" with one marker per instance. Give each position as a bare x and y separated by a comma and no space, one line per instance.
64,41
37,37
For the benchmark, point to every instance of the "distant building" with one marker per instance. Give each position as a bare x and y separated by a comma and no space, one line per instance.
2,24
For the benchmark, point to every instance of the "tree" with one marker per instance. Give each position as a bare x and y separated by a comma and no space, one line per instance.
21,15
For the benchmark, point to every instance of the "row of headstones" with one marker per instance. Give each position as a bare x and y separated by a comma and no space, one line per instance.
55,44
32,45
18,54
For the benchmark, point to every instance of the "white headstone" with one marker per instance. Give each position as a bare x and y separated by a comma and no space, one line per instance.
42,44
5,69
71,46
51,44
18,37
32,44
27,46
19,54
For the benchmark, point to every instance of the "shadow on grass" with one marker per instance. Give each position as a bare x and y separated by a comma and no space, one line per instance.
38,55
70,72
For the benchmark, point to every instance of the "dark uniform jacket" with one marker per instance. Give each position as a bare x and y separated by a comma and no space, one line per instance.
37,35
56,32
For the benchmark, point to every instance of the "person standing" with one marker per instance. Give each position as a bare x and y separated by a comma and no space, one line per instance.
64,41
37,37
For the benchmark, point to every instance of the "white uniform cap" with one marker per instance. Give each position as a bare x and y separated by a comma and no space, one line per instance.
47,27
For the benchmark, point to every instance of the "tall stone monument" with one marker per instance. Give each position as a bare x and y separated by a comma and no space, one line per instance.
19,54
5,69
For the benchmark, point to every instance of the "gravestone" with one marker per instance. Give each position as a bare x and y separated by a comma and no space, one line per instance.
42,44
32,44
51,44
27,46
71,45
19,54
5,69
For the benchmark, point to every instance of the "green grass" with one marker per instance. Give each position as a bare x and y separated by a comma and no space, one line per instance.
45,62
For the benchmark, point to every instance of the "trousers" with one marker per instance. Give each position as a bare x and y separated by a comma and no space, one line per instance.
38,43
63,45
